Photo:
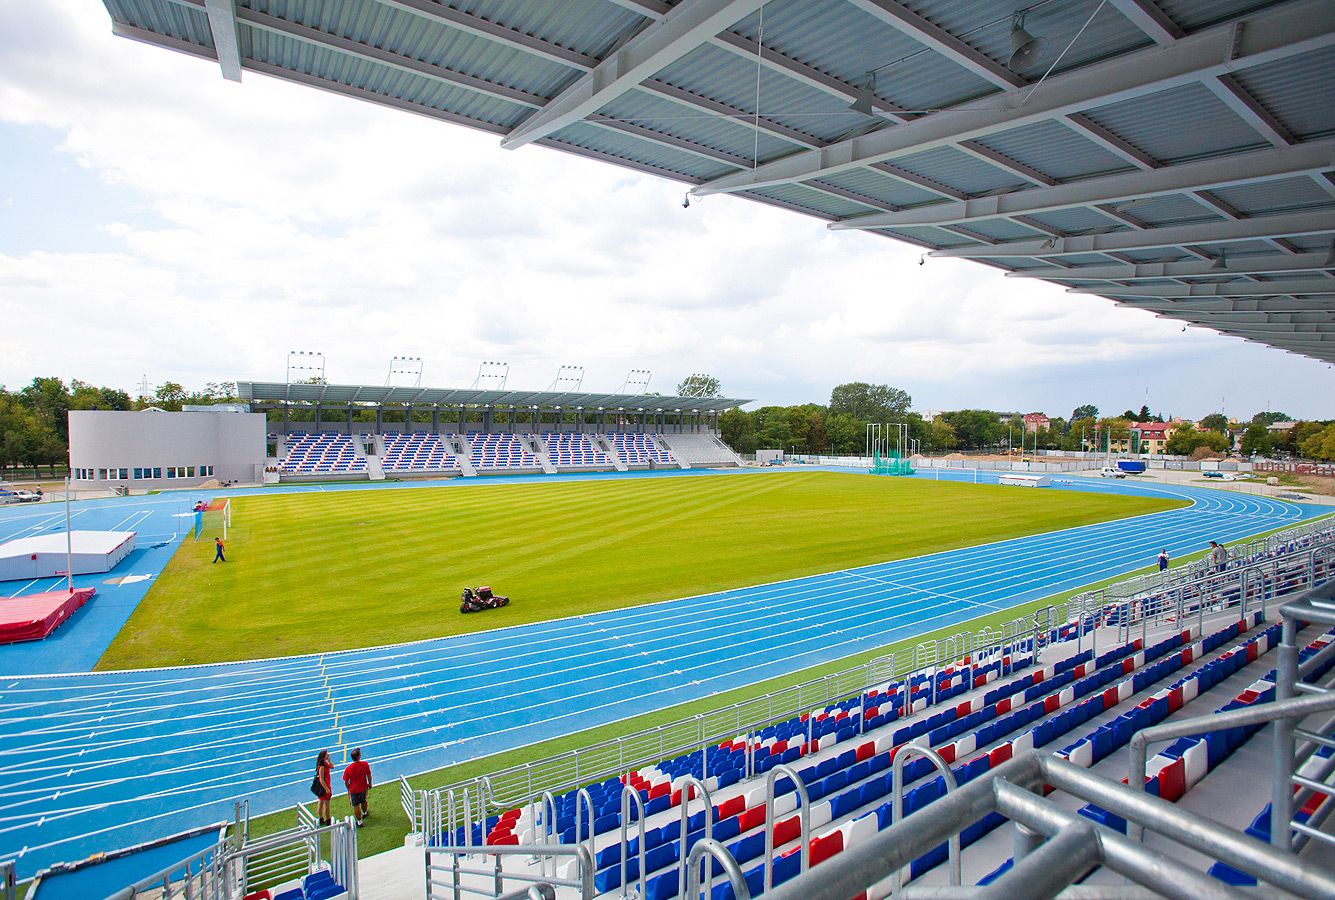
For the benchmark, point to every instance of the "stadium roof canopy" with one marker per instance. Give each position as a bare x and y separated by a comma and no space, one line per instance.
373,394
1173,155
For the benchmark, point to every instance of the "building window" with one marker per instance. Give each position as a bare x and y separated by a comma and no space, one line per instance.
190,472
101,474
124,474
157,472
171,471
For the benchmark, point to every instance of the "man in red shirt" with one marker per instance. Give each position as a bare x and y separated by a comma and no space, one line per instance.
357,776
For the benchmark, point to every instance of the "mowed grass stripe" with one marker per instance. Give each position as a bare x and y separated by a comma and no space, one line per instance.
326,571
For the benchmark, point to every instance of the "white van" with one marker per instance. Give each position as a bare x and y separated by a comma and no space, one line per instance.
1111,472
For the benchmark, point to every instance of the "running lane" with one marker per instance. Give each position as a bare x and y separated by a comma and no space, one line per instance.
97,761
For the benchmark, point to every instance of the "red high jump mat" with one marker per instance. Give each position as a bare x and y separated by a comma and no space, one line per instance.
33,617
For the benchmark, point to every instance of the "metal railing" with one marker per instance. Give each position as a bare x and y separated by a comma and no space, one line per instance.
1059,847
1290,756
8,881
495,875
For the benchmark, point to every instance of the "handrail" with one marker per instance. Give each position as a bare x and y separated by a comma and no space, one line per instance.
724,858
583,799
897,799
1256,714
804,811
687,783
583,881
627,793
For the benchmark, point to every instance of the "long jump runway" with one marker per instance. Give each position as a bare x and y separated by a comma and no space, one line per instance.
93,762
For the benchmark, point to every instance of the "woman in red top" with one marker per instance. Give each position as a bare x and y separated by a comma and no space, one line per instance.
323,768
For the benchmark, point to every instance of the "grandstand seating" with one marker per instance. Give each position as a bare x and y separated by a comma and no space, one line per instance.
420,452
574,450
701,449
321,454
316,886
849,786
635,449
494,452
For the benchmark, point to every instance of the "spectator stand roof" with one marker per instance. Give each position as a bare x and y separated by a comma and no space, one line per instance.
1172,155
278,393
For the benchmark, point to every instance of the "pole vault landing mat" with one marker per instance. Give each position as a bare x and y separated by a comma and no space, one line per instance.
33,617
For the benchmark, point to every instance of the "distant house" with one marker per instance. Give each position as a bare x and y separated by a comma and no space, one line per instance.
1035,422
1152,437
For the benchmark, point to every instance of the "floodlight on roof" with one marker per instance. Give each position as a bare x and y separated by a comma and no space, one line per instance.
1026,50
1220,262
1049,244
865,96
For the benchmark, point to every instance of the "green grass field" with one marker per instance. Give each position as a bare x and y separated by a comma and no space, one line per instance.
328,571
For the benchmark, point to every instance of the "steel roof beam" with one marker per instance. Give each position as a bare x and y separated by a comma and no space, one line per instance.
222,25
1088,128
1149,18
480,27
1295,287
1276,34
1289,224
988,155
723,110
940,41
685,27
1243,168
192,49
1221,305
1249,109
1248,265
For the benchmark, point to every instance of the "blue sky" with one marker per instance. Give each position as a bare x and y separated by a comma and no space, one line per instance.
158,222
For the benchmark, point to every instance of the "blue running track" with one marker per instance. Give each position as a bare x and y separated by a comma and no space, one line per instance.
96,761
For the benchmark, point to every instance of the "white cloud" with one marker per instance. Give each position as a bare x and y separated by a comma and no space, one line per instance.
270,216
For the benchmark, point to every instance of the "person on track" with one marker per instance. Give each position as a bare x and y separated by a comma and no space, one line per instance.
218,550
323,770
1163,559
357,776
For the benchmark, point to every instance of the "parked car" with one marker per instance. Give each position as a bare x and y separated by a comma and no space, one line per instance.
1111,472
28,496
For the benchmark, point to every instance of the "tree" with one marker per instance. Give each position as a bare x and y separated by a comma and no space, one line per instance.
942,435
1215,422
1270,418
870,402
699,385
1186,440
847,435
1320,445
87,396
737,431
975,429
1256,440
49,401
1088,411
169,396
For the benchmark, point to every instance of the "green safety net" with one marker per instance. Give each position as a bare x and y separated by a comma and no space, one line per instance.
889,464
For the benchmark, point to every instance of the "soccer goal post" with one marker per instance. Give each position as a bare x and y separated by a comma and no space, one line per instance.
215,520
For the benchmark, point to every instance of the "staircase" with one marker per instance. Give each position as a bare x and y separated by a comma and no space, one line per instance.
463,452
539,449
661,441
602,444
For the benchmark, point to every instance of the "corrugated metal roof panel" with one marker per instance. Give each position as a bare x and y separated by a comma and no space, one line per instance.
1238,249
1310,243
658,113
326,63
986,25
712,72
1278,195
825,205
1072,221
1184,123
623,146
384,26
165,18
1003,229
934,236
1193,15
885,188
1297,92
1057,151
956,169
1171,209
592,27
841,40
1150,254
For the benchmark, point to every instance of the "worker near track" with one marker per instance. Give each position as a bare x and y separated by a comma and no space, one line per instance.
357,776
323,770
1218,556
1163,559
218,550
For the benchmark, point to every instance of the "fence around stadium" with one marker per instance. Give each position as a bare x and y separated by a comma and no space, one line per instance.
1264,569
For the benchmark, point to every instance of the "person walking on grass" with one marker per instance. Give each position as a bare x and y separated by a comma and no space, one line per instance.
323,769
357,776
218,550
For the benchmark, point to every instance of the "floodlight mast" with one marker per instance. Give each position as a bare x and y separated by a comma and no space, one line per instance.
410,366
568,378
491,374
299,361
637,382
